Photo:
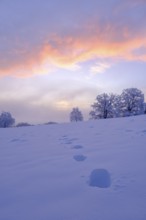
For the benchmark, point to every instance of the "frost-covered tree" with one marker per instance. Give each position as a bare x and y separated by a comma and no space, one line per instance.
132,102
105,106
6,120
145,108
76,115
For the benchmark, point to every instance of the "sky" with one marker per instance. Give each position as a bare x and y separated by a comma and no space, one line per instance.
60,54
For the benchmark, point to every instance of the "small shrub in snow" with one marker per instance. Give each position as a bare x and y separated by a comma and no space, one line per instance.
51,123
6,120
22,124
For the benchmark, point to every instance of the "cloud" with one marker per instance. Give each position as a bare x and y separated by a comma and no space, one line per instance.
45,42
45,98
99,68
23,111
70,51
102,42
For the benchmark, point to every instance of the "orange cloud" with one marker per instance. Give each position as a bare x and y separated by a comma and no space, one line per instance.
70,50
67,51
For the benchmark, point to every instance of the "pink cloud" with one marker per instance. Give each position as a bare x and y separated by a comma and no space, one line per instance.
92,41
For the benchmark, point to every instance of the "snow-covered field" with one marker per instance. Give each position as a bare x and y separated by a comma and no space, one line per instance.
92,170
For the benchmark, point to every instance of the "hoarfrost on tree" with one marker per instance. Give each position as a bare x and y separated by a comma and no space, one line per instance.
76,115
6,120
132,102
105,106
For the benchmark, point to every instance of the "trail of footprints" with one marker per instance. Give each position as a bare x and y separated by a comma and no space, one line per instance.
76,157
98,177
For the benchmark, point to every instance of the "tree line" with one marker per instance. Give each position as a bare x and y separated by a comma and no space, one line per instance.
129,103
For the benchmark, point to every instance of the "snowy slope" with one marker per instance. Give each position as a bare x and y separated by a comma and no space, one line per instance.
52,172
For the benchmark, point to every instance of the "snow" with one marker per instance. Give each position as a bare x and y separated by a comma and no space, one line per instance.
100,178
93,170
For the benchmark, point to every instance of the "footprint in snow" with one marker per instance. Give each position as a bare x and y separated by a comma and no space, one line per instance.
122,182
73,139
100,178
18,140
65,140
64,136
118,187
15,140
68,142
77,146
79,157
128,130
